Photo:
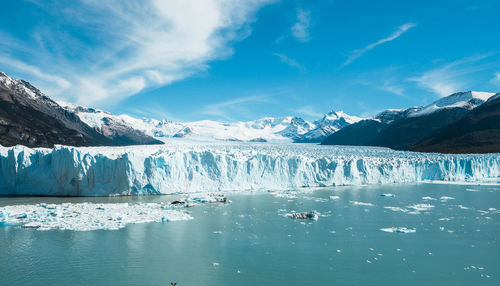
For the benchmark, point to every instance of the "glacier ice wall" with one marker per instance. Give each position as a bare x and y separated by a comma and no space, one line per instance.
193,167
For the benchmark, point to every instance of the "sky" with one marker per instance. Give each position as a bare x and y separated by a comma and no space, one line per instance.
229,60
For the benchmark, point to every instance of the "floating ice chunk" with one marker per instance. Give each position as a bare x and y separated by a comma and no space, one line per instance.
334,197
305,215
472,190
388,195
428,198
399,229
361,203
446,198
418,208
396,209
207,198
463,207
88,216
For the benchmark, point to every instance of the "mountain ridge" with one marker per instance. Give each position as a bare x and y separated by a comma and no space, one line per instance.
402,129
30,118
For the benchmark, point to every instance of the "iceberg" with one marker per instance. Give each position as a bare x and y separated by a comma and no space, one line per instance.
188,167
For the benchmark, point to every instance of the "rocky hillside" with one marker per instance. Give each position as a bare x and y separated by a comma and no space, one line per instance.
28,117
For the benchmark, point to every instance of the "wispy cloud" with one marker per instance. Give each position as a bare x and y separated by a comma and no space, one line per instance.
224,109
496,78
391,87
356,54
124,47
300,30
309,111
289,61
450,77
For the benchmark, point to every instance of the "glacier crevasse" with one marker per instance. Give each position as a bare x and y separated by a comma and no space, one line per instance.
192,167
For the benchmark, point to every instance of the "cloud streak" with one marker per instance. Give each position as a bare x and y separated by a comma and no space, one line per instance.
308,110
496,78
224,108
356,54
289,61
450,78
124,47
300,30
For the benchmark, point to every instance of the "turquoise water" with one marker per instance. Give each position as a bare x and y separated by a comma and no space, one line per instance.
251,242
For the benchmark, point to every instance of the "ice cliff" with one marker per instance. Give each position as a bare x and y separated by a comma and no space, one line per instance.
189,167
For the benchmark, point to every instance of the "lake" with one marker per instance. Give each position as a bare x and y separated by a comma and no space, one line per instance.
452,239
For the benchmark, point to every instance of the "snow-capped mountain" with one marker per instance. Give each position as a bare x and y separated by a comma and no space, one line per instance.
329,124
400,129
476,132
30,118
269,129
90,126
262,130
467,100
110,125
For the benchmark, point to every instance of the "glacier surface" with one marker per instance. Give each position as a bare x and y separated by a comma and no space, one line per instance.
185,167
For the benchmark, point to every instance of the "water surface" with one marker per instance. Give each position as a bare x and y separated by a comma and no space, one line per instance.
251,242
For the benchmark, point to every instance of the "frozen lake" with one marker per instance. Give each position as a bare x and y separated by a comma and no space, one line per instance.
252,241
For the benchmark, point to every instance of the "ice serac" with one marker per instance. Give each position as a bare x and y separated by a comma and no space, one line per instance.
194,167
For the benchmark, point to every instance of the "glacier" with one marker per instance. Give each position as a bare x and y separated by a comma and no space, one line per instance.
189,167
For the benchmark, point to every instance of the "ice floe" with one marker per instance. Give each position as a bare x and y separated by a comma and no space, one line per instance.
356,203
446,198
399,229
88,216
418,208
396,209
388,195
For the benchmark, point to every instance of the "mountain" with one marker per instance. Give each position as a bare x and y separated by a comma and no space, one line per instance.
476,132
111,126
329,124
268,129
401,129
30,118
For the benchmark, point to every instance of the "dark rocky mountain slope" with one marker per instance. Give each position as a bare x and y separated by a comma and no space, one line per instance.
28,117
403,129
476,132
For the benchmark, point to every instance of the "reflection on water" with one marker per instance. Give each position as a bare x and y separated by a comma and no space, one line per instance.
252,241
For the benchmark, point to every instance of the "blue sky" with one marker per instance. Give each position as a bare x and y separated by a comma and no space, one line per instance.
241,60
